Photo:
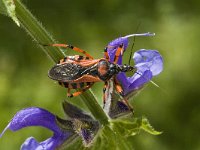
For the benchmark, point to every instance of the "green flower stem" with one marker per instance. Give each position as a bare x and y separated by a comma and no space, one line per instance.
37,31
41,36
92,104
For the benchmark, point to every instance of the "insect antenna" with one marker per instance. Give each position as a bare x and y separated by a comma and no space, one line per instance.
134,35
129,61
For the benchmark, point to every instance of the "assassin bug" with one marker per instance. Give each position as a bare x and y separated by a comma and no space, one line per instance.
81,72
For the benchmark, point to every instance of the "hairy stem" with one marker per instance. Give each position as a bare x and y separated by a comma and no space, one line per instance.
37,31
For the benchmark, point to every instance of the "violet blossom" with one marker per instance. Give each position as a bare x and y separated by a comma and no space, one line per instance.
78,123
35,116
149,63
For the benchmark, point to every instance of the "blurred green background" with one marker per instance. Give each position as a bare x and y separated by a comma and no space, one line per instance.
90,25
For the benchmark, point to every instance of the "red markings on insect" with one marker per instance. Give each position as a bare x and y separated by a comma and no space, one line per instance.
81,72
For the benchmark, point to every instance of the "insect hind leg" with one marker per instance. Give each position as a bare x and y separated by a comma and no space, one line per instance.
71,47
79,92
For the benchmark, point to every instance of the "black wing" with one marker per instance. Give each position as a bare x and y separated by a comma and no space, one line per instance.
66,72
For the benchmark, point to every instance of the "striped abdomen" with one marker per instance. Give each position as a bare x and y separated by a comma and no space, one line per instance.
80,85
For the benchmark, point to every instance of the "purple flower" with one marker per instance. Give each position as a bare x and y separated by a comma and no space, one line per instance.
78,123
149,63
34,116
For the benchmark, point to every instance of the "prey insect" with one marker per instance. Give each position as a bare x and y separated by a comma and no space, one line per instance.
81,72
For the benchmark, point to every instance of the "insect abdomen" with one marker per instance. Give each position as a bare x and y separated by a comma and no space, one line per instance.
75,85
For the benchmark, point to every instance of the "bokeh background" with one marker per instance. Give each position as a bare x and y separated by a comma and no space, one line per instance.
174,108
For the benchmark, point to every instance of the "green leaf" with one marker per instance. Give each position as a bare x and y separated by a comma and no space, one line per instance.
126,126
132,126
146,126
10,9
108,139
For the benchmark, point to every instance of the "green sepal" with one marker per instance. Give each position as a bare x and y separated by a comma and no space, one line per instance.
66,125
78,122
74,142
74,112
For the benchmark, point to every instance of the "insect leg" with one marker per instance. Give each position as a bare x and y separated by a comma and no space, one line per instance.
71,47
120,91
119,51
106,54
81,91
68,93
104,96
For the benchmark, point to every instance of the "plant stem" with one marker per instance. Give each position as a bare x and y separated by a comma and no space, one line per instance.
41,36
92,104
37,31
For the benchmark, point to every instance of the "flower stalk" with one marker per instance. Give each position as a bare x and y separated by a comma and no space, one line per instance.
37,31
89,99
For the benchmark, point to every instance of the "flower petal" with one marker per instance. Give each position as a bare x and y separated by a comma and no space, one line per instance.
148,60
148,63
31,144
136,83
34,116
113,45
49,144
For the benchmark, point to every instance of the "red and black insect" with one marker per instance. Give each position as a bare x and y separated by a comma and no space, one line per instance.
81,72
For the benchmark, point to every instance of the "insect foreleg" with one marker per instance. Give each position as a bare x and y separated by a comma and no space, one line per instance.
106,54
120,91
119,52
104,96
68,93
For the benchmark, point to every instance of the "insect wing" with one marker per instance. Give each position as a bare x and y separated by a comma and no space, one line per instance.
66,72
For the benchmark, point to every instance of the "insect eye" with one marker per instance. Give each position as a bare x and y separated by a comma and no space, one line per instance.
112,69
103,67
103,63
112,66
